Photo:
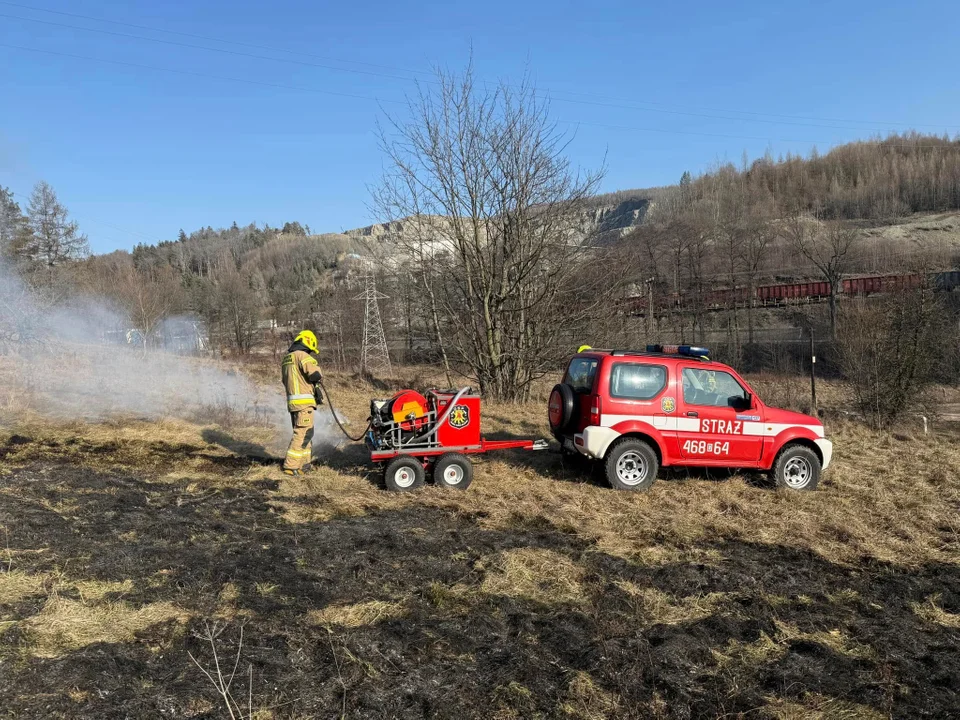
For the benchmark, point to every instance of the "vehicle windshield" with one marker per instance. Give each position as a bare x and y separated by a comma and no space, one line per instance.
580,374
712,387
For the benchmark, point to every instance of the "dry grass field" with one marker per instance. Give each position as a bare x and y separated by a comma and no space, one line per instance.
137,557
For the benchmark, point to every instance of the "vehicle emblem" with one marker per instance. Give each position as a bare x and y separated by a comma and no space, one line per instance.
668,404
460,417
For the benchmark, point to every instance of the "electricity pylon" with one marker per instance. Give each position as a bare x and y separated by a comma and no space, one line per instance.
374,355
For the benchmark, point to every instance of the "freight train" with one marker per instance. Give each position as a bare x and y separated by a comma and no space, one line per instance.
795,292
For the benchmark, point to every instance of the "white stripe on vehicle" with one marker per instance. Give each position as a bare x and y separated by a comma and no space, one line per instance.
692,425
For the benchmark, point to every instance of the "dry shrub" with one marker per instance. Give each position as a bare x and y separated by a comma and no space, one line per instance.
889,352
534,574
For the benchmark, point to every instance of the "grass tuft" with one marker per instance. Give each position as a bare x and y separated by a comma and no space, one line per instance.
356,614
537,575
64,625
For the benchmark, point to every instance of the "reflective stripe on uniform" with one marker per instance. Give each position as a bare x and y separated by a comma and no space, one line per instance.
309,360
300,397
297,453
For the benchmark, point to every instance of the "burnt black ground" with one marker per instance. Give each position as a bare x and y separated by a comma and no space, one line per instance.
449,657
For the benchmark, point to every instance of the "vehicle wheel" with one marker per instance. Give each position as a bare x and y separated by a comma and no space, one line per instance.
560,407
403,474
631,464
797,468
453,470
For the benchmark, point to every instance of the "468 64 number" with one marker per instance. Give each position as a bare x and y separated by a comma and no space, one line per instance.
702,447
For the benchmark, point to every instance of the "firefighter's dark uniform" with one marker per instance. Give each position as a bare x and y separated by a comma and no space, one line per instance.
300,372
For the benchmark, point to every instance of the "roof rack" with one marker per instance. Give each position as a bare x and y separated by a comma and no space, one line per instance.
673,351
685,351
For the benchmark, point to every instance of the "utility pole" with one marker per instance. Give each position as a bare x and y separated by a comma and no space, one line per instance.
813,375
650,310
374,354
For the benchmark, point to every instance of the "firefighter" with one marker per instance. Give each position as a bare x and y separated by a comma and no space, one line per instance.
301,374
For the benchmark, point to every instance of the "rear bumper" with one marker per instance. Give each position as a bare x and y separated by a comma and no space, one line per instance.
826,449
594,441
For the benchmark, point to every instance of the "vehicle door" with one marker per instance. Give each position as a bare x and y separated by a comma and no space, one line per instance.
634,392
580,376
717,422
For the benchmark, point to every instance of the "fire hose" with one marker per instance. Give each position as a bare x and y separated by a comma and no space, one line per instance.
333,411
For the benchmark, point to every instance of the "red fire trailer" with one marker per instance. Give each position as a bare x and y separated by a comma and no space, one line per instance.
413,433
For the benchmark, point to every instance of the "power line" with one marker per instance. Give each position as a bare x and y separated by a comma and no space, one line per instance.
355,96
552,92
366,97
632,128
199,74
710,117
202,47
213,39
618,104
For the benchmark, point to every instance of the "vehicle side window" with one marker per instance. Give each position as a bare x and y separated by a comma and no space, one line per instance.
632,381
715,388
580,374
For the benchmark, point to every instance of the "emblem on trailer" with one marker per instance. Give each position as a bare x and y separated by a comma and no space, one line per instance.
460,417
668,404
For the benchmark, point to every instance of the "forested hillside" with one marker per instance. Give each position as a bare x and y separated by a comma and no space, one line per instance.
730,227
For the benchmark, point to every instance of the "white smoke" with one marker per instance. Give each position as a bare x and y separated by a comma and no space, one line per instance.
70,354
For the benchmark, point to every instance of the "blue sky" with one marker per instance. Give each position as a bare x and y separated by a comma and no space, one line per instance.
137,152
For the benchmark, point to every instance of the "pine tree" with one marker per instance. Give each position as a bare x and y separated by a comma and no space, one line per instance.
13,225
53,238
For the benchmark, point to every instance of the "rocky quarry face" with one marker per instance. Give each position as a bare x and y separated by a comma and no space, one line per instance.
606,218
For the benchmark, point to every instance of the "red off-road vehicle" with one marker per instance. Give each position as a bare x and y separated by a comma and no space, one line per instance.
671,406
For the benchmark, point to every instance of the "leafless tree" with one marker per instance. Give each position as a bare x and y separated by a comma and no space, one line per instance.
240,307
148,297
829,247
481,174
758,234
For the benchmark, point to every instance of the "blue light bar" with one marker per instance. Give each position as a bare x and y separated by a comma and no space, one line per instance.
685,350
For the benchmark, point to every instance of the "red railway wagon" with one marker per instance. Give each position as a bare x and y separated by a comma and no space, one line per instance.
881,283
724,297
792,291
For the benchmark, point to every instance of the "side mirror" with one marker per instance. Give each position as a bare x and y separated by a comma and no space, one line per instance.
743,403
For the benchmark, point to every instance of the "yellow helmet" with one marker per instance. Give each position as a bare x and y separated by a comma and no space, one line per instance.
307,338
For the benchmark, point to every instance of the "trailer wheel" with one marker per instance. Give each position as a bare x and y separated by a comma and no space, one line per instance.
631,464
453,470
403,474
